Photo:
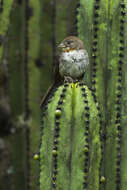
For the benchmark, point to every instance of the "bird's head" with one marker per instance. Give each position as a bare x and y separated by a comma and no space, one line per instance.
70,43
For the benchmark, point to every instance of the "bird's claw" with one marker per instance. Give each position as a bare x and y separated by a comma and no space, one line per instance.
69,79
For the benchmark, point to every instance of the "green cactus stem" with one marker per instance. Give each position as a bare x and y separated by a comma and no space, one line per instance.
33,85
5,10
92,29
116,178
70,150
16,50
77,150
105,39
124,105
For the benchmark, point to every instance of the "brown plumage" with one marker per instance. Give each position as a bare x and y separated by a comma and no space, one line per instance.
70,65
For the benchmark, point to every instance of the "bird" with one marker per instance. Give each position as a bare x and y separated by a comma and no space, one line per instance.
70,65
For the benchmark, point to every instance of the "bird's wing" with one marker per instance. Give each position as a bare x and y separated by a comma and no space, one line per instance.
57,82
47,96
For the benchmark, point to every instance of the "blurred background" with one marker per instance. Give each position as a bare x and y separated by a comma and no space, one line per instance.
30,30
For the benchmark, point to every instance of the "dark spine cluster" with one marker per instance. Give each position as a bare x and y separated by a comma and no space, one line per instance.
95,42
86,137
26,77
26,72
119,93
102,139
56,138
44,110
41,136
76,20
94,51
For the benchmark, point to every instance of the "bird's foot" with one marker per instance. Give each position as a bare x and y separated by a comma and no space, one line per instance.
70,80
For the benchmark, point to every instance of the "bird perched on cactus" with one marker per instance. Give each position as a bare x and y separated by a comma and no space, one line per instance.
73,58
72,61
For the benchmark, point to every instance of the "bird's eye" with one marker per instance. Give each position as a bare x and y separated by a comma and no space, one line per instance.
69,42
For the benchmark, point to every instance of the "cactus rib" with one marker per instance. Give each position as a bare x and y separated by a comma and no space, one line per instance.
68,155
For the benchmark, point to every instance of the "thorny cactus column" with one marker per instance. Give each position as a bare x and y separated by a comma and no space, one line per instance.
16,52
30,46
70,150
123,100
105,37
34,79
24,80
102,27
93,30
116,110
5,9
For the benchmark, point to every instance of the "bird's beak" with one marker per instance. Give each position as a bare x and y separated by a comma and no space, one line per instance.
61,46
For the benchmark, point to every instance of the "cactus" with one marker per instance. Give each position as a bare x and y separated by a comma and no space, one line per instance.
29,33
102,27
106,43
70,151
5,9
27,41
16,56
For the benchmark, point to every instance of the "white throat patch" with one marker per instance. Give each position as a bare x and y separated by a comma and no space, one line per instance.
73,63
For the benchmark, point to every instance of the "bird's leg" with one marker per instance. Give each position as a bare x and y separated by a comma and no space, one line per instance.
76,80
68,79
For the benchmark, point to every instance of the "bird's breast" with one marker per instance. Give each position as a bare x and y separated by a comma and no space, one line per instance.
73,63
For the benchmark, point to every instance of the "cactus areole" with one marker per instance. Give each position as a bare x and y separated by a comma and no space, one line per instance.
70,149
